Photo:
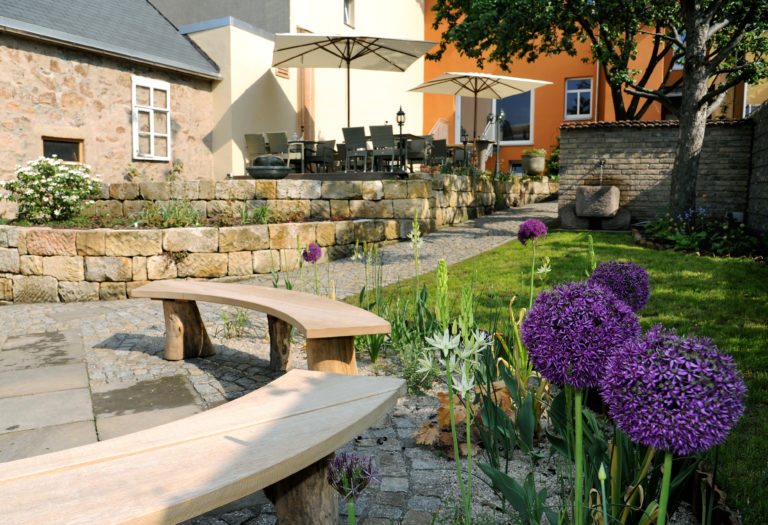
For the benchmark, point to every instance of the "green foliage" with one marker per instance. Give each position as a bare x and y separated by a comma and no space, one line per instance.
553,162
233,324
442,310
699,231
176,213
47,189
535,152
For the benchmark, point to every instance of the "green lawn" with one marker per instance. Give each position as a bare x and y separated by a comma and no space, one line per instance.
723,299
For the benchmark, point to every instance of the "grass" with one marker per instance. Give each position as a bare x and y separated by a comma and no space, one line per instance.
723,299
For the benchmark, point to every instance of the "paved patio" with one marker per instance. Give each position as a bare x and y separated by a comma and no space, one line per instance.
74,373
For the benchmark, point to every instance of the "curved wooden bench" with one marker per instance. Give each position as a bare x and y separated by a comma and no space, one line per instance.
329,326
182,469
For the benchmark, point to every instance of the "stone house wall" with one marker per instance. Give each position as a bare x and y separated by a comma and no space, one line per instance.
757,212
639,157
59,92
39,264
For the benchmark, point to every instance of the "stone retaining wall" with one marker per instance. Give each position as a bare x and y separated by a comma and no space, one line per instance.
639,157
39,264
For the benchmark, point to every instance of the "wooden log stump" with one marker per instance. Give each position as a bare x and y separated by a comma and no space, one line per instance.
305,497
185,333
332,354
279,343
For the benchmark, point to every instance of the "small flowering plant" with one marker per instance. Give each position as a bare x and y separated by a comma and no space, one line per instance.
48,189
312,254
531,230
627,280
349,475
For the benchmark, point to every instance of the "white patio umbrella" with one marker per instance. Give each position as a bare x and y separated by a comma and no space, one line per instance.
478,85
347,51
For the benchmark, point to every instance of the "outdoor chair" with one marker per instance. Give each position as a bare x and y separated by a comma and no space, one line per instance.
460,159
383,146
439,153
357,146
279,147
340,157
418,150
323,156
255,145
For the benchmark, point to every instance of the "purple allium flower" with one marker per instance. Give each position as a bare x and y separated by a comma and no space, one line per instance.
531,229
572,330
627,280
678,394
349,474
312,253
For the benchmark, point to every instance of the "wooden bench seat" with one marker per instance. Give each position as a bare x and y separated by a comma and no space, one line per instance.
182,469
329,326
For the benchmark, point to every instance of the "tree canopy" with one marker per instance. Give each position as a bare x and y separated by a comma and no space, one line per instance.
719,43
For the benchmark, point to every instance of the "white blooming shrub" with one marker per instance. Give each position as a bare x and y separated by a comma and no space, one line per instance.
48,189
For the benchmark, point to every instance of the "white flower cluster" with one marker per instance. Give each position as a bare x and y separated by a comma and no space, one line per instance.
47,188
455,356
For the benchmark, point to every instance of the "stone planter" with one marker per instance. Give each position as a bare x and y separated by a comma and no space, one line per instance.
533,165
597,201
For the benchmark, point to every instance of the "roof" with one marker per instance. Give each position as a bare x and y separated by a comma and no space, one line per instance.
647,124
130,29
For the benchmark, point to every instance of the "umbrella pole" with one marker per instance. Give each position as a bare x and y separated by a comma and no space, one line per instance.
348,94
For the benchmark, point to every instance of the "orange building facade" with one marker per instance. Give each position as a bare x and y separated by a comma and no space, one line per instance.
578,92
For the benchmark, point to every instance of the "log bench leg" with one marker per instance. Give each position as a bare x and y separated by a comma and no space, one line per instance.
279,343
332,354
305,497
185,334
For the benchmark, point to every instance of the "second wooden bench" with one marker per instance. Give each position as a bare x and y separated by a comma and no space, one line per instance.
329,326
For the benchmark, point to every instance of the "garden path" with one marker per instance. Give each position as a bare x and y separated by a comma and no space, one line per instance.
73,373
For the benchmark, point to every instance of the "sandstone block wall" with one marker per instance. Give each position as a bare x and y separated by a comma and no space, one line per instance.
39,264
757,211
51,91
639,157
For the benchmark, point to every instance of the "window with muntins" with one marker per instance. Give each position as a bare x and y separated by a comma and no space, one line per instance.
578,98
151,119
349,12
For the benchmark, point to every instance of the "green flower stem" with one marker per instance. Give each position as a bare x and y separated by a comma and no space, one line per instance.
351,512
533,272
579,481
664,499
453,431
616,483
468,501
317,286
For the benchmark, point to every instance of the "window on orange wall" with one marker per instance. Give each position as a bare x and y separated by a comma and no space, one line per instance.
578,98
151,118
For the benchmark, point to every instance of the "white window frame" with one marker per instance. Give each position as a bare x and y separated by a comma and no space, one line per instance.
349,12
578,116
152,84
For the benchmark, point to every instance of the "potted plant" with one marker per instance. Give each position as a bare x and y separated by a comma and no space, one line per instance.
534,161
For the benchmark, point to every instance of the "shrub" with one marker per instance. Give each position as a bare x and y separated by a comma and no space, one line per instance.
47,189
535,152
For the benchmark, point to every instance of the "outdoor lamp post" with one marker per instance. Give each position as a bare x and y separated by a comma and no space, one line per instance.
464,140
401,145
499,119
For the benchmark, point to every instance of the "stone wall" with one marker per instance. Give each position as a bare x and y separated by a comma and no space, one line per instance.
52,91
757,212
39,264
639,157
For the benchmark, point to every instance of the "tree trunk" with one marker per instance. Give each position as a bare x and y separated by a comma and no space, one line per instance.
693,112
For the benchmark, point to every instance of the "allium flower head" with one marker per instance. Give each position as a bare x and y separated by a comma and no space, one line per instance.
679,394
312,253
627,280
349,474
572,329
531,229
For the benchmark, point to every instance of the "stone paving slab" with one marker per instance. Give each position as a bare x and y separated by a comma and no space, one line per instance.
27,443
37,349
46,409
43,379
109,427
